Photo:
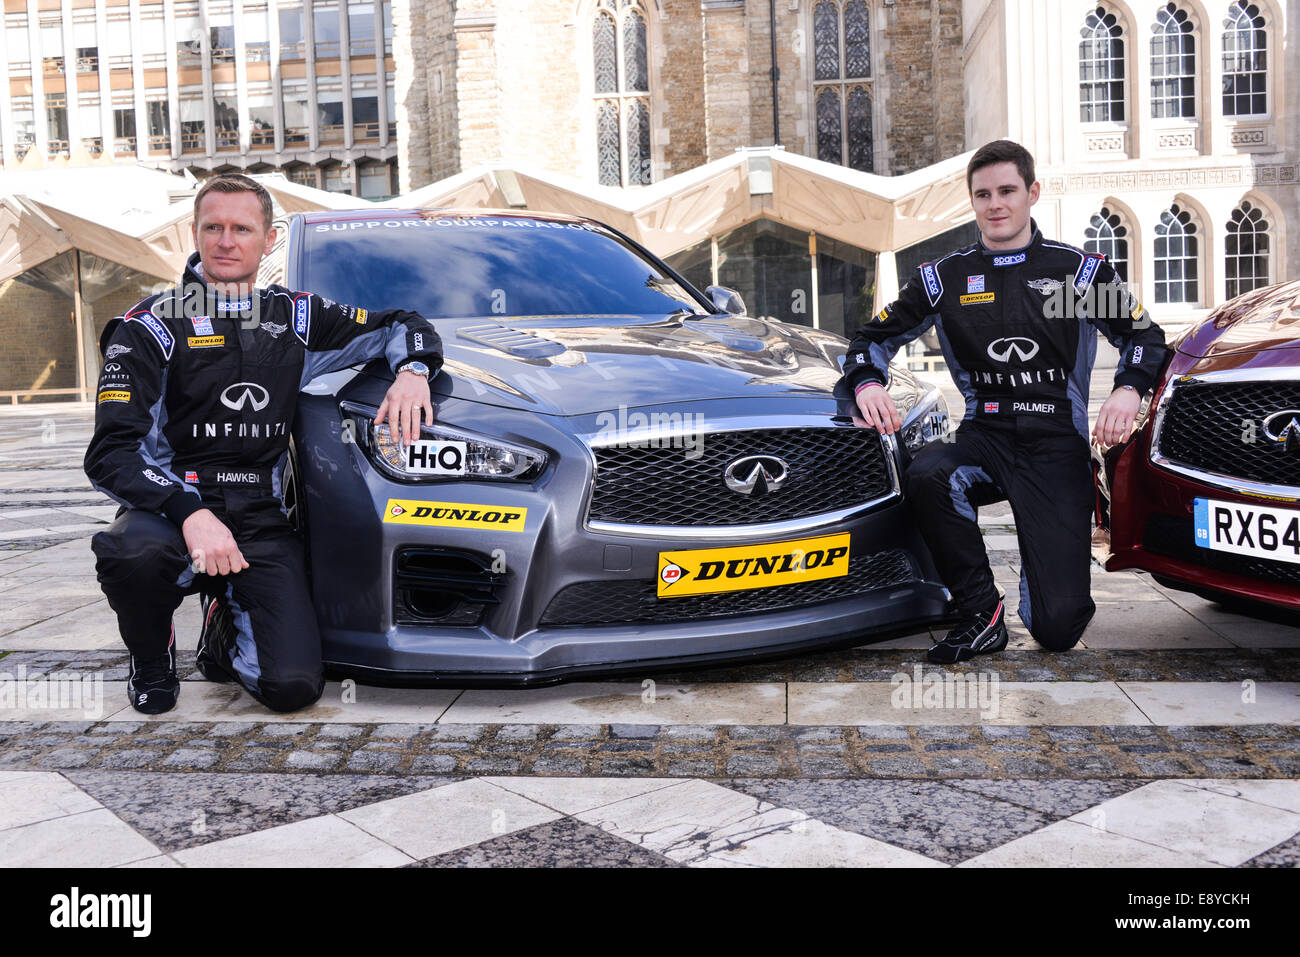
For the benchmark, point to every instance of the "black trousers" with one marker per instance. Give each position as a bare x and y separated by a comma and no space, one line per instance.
1048,481
144,570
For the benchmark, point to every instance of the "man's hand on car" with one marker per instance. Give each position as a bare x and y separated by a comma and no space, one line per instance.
878,409
211,546
405,403
1116,416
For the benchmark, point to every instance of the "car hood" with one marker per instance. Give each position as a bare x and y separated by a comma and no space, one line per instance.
1263,321
574,365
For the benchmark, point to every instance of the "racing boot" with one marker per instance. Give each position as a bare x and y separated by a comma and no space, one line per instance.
153,686
214,639
981,634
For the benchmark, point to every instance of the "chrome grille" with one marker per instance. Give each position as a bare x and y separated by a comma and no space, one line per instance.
1209,426
829,469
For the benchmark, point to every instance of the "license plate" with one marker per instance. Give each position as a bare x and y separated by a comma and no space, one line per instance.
1256,530
430,457
707,571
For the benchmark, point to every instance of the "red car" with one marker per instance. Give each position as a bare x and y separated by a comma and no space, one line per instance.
1206,494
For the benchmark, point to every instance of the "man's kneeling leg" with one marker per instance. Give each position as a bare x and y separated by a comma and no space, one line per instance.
276,653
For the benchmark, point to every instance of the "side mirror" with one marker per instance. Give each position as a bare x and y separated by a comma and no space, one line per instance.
726,300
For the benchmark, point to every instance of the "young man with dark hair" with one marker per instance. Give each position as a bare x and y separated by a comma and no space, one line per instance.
194,406
1016,316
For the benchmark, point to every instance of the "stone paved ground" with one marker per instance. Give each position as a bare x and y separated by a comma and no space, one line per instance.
1171,736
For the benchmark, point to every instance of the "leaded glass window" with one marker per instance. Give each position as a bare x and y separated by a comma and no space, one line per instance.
1176,260
1245,67
1101,69
842,92
621,67
1173,64
1107,234
1246,260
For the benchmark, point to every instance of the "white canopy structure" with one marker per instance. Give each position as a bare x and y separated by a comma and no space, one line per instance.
138,218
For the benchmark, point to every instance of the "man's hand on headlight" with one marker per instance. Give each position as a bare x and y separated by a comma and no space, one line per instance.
405,403
878,409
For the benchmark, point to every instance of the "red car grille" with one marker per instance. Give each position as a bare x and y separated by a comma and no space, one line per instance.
1218,427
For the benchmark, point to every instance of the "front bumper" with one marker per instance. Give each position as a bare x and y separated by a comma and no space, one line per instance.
509,633
1151,528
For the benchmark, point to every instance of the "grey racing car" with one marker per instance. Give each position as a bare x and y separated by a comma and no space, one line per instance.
624,474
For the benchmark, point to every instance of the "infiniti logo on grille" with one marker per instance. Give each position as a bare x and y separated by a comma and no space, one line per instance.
756,475
1284,428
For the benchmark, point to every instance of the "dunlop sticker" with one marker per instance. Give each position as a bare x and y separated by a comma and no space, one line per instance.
706,571
115,396
205,342
401,511
970,298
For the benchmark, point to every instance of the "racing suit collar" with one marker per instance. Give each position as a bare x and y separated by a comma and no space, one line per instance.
1035,239
208,300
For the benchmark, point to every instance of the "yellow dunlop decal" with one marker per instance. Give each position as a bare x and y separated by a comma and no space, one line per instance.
973,297
883,315
361,317
115,396
708,570
205,342
400,511
1137,313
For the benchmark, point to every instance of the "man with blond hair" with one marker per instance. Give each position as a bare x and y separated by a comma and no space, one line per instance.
195,401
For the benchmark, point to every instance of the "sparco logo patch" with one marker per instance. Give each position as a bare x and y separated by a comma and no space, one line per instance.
1089,269
301,316
709,570
455,515
1015,260
1020,347
245,396
933,288
157,330
154,477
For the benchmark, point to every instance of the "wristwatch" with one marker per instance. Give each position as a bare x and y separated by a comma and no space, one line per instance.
419,368
1133,387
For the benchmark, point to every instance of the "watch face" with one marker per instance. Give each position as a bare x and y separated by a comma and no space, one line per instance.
419,368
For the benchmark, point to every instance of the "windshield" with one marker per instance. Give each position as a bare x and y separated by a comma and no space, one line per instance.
505,267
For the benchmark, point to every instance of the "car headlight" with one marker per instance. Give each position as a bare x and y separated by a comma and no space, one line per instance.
927,421
442,453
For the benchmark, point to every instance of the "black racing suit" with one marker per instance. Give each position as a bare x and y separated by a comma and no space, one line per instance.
1018,331
194,407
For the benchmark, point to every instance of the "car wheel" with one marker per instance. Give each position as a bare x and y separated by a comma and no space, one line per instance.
294,501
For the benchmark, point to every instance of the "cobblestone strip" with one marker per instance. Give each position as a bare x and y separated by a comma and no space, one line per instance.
1252,751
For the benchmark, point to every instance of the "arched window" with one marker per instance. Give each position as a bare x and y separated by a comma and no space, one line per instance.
1176,257
622,84
1173,64
1247,252
1101,69
1107,234
1245,73
842,82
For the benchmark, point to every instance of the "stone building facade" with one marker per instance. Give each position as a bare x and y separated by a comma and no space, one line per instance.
520,81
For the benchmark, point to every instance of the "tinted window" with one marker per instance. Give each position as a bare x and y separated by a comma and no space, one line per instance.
510,266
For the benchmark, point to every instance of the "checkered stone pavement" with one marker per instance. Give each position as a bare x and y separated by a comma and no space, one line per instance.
1171,736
